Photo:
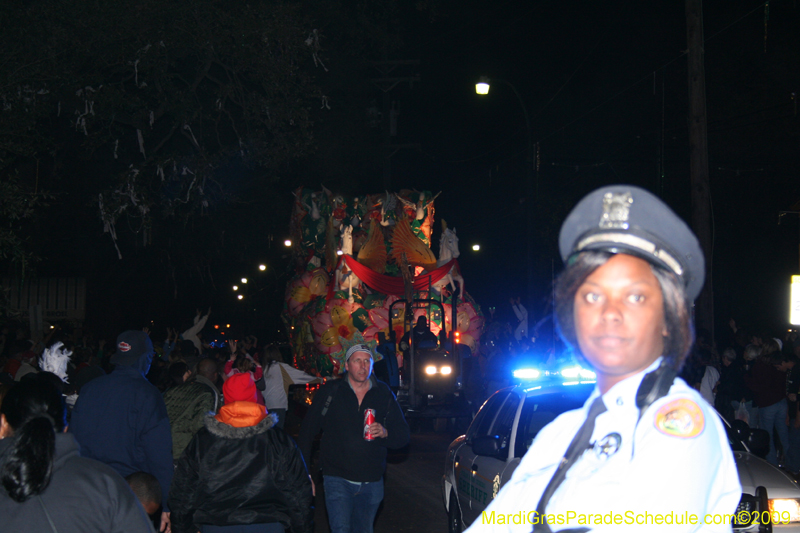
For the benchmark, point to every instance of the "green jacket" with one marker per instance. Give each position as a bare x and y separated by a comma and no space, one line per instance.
187,406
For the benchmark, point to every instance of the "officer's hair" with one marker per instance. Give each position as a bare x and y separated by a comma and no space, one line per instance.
677,318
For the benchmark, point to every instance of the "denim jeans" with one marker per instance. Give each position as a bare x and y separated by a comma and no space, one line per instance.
773,419
793,455
352,506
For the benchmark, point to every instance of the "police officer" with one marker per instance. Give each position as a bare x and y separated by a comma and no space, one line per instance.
645,444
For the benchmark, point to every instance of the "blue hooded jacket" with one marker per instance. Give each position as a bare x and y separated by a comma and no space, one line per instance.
121,420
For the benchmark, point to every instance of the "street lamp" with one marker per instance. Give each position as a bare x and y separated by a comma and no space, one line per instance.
287,243
482,88
476,247
244,280
262,268
236,287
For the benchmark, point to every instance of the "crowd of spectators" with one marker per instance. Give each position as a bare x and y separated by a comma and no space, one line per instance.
155,414
236,393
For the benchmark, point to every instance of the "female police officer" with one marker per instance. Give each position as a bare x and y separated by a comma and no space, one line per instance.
645,450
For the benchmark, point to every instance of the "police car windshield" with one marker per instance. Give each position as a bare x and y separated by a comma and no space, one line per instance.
541,409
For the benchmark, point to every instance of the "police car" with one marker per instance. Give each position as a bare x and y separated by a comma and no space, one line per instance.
479,463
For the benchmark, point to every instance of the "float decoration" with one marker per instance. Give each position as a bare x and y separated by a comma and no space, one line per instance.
347,253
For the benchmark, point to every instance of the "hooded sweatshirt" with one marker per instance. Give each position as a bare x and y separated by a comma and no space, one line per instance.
121,420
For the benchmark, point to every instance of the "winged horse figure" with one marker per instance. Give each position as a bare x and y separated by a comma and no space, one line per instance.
448,249
346,278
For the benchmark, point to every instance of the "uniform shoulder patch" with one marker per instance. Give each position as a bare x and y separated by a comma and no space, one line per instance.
681,418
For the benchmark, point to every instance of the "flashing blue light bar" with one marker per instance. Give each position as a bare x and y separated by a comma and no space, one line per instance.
567,383
526,373
578,372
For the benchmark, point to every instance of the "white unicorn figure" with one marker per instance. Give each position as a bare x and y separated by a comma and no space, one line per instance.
346,278
448,249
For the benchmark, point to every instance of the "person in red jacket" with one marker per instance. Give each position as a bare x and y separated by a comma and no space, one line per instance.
767,380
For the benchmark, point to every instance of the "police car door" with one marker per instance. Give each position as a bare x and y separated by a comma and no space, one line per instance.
489,470
465,456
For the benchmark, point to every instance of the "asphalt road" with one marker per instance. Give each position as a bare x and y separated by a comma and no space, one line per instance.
413,488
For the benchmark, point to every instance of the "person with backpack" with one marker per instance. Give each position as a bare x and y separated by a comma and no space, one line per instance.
352,454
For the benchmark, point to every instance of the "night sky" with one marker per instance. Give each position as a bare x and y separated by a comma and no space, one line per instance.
605,86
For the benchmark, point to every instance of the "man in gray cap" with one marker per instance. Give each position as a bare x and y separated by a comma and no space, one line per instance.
121,420
353,466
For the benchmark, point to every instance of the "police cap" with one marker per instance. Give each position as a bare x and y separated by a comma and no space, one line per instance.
631,220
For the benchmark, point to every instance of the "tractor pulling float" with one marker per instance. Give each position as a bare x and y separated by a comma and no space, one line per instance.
365,272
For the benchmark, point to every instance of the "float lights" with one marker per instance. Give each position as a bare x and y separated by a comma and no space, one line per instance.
287,243
236,287
244,280
482,87
216,326
476,247
262,268
240,297
227,325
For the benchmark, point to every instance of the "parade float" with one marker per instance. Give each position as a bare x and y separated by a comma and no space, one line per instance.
353,257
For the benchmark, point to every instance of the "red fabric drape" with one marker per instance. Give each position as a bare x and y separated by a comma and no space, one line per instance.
394,284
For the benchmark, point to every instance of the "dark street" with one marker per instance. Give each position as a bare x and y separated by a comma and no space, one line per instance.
413,490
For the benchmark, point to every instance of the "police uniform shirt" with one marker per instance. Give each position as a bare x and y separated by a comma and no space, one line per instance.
676,460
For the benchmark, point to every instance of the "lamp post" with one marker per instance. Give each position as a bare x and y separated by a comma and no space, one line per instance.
482,88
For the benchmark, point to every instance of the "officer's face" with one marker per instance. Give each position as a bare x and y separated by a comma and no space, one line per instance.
359,366
619,319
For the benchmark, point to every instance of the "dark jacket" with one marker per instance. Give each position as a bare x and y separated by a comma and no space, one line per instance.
187,407
767,383
83,496
343,450
241,475
120,420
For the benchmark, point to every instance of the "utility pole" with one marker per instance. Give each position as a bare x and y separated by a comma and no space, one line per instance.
387,81
698,154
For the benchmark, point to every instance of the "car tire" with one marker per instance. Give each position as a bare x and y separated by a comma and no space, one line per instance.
454,524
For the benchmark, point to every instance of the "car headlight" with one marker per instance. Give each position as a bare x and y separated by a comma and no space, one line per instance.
526,373
430,370
446,370
784,511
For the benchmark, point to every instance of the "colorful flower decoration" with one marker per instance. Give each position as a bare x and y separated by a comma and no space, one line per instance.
305,288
